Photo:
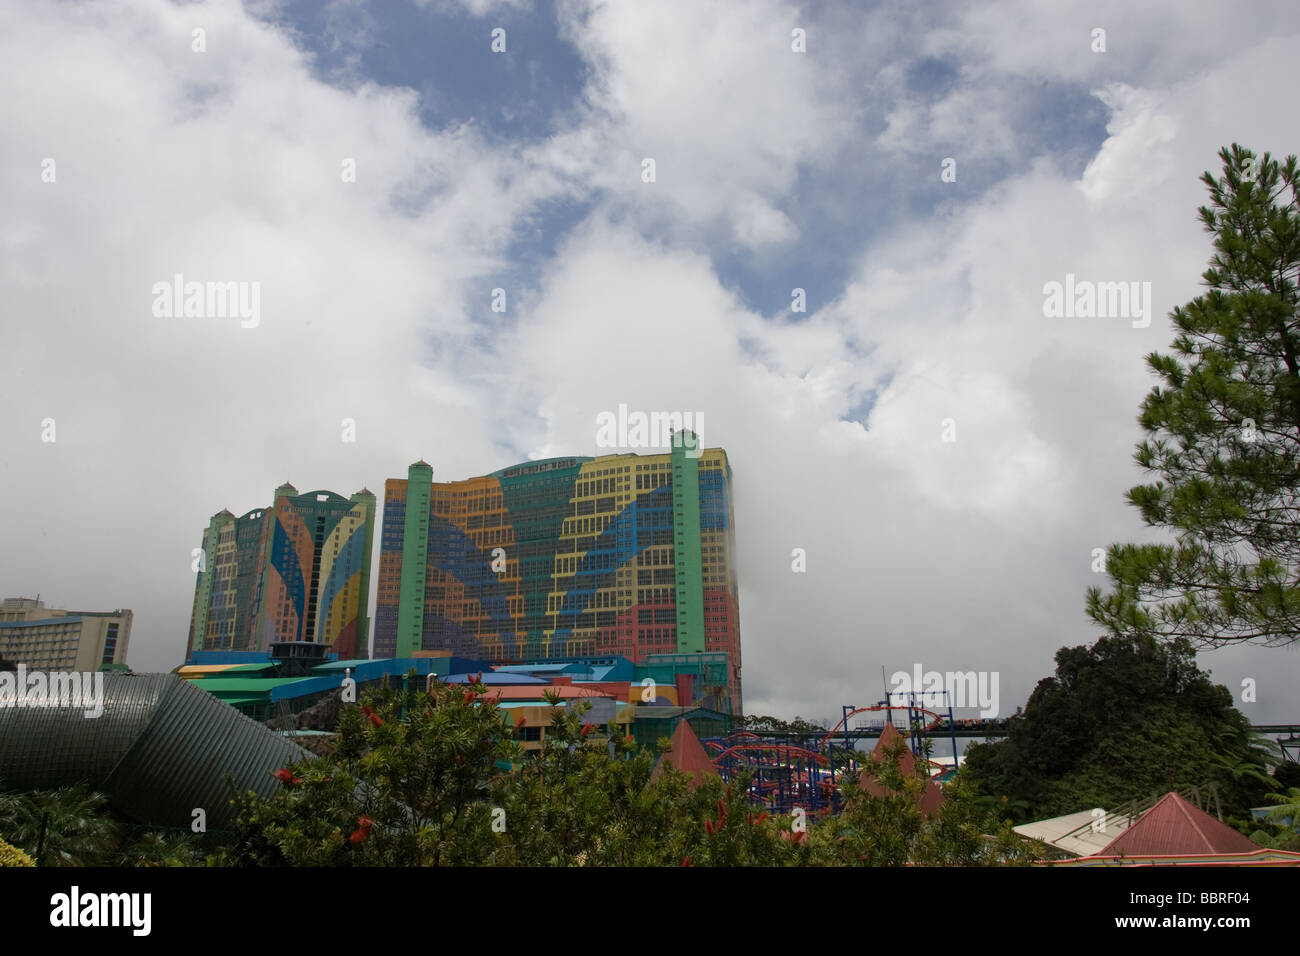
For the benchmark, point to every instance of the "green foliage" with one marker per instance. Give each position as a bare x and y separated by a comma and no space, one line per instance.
78,828
799,727
1120,720
1224,435
81,830
407,785
587,798
1282,828
1287,774
156,848
572,804
890,830
875,830
963,834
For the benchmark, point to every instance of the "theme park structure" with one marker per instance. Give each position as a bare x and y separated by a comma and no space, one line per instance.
805,771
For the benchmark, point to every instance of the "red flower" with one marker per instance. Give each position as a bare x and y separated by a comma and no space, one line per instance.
469,696
284,775
587,728
376,720
363,831
686,861
761,817
367,709
708,827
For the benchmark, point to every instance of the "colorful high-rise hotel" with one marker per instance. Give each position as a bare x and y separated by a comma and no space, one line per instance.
626,554
297,571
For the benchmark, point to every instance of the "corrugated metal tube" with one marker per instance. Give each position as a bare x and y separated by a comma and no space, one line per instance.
161,749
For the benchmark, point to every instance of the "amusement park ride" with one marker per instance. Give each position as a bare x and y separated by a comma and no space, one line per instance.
806,771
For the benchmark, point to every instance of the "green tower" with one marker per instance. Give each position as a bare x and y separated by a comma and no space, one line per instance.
415,556
686,543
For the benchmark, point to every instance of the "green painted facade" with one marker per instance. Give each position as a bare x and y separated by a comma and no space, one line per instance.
415,553
686,546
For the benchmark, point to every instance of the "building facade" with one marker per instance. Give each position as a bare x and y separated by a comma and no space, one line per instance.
626,554
297,571
55,639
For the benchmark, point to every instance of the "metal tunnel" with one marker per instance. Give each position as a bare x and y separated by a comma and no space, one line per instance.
161,749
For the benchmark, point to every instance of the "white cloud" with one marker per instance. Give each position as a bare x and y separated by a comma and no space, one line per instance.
717,98
369,292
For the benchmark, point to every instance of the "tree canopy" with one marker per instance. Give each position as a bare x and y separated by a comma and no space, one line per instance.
427,778
433,777
1224,435
1123,719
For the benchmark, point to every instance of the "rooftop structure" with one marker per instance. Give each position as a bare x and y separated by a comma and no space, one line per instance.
1174,826
687,755
1174,832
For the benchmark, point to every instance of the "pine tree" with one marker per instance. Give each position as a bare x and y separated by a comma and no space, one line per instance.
1224,435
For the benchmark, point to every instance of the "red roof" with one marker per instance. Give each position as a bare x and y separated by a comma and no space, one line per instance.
1174,826
687,755
931,797
889,738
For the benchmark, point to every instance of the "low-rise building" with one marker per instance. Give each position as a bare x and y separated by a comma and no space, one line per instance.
55,639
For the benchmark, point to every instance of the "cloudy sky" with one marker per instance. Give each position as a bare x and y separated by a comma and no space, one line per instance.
379,169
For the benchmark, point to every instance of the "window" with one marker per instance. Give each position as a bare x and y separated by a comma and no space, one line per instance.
110,644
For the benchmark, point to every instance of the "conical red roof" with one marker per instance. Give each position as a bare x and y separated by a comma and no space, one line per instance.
931,797
688,755
1175,827
889,738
